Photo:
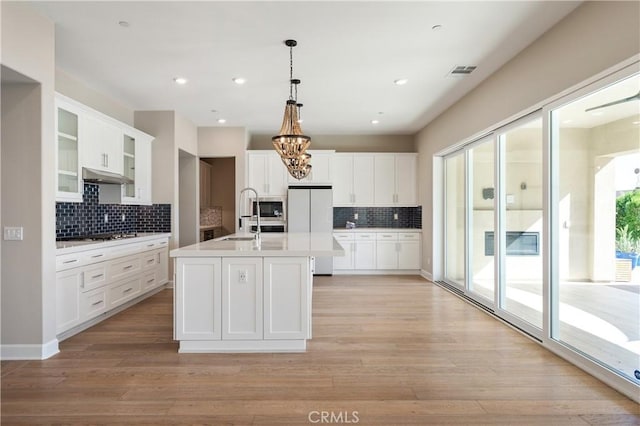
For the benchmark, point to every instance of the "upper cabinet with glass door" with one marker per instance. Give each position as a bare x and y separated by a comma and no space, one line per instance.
68,169
136,159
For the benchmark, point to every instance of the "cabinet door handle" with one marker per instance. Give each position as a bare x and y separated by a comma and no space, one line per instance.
158,258
97,303
93,277
82,279
107,157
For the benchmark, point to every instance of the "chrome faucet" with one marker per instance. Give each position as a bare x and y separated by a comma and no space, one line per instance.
257,210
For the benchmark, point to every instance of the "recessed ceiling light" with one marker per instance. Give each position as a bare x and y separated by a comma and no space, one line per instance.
374,121
123,24
437,27
221,120
180,80
239,80
400,81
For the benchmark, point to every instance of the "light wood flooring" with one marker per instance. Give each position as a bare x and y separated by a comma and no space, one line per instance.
385,350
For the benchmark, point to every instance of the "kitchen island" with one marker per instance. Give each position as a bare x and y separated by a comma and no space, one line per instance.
236,294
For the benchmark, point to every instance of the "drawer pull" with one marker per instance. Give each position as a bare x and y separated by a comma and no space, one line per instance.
150,245
70,261
128,267
97,303
151,280
96,276
128,290
95,256
150,261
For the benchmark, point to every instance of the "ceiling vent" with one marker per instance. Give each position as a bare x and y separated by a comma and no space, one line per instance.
462,70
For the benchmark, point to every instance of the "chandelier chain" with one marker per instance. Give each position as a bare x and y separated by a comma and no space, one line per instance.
291,73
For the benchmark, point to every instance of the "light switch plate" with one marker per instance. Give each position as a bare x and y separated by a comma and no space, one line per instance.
13,233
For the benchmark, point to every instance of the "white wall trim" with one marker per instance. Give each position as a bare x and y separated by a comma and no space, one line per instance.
426,275
29,351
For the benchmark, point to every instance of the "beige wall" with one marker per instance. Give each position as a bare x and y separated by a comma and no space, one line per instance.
561,58
79,91
225,142
348,143
28,148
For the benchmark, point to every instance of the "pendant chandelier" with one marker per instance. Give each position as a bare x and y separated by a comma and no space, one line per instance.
290,143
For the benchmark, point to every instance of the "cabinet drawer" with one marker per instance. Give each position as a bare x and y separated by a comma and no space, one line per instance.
123,267
365,236
120,293
409,236
149,281
93,303
94,276
149,260
343,237
388,236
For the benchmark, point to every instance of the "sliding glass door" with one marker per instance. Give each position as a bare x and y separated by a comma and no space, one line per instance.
455,206
596,144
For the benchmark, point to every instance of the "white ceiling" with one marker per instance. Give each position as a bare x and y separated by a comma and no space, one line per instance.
348,55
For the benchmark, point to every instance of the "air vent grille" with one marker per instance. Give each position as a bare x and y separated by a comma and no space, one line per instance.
462,70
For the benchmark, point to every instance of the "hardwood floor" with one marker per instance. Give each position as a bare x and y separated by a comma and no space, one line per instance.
385,350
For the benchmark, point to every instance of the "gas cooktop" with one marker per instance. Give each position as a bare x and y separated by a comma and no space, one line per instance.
100,237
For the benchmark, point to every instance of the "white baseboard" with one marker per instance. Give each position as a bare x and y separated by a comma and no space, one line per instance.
29,351
376,272
426,275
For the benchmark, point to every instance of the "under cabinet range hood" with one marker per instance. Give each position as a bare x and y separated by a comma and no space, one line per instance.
100,176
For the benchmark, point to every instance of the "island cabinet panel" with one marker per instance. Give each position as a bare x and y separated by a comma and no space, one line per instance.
242,309
198,286
287,298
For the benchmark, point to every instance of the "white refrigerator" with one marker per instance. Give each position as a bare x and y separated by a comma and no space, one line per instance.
310,209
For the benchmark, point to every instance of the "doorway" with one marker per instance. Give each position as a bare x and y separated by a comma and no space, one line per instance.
217,197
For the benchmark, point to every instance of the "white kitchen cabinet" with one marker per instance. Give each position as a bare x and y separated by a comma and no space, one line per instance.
409,253
321,169
395,179
346,262
353,179
286,298
199,286
387,250
69,186
242,307
364,251
92,282
137,166
68,285
101,144
266,173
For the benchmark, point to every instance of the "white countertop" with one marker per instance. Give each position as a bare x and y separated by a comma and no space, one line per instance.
271,244
377,230
66,247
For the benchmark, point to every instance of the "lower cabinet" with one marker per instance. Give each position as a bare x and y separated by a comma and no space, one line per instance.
378,251
105,282
242,298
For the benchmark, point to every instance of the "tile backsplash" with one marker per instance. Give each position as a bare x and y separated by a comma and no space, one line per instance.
86,218
378,217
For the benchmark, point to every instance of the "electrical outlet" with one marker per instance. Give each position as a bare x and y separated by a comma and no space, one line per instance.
355,216
395,216
242,276
13,233
106,217
123,217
